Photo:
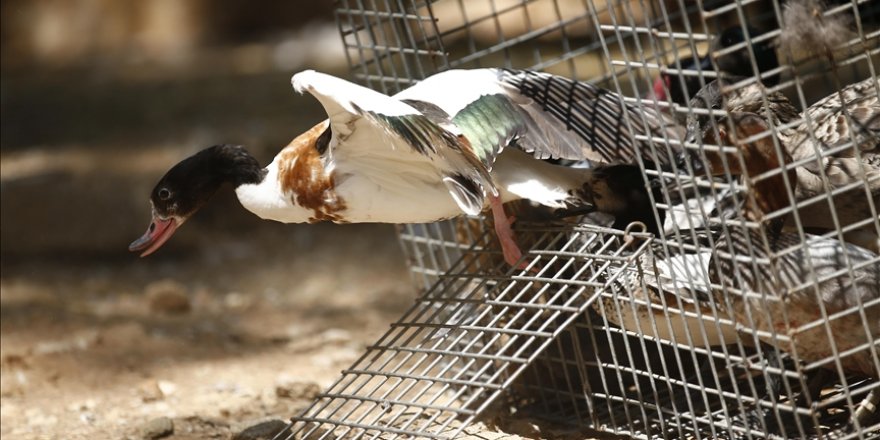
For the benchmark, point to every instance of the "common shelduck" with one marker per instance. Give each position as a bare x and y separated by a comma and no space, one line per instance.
455,143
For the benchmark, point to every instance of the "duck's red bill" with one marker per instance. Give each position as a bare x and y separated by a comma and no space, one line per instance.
157,234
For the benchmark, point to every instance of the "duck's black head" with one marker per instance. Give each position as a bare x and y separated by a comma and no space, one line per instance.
733,64
187,186
622,191
738,62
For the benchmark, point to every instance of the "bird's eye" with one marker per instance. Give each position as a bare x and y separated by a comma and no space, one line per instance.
164,194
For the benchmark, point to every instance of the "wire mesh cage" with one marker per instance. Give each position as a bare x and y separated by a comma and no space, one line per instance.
745,303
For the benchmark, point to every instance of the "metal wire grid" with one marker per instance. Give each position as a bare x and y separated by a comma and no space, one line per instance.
390,44
790,414
467,339
619,366
649,380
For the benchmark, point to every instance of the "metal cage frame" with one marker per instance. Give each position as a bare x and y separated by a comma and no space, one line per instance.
581,342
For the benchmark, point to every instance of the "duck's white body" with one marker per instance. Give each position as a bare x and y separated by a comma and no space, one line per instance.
389,188
402,187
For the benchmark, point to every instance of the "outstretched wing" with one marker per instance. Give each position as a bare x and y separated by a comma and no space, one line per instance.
614,130
492,115
546,115
377,117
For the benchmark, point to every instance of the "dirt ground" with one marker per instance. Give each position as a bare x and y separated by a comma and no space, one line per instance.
98,349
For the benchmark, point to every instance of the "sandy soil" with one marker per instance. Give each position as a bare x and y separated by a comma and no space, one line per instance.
93,349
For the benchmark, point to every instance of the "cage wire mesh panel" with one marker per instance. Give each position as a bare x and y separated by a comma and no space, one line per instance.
751,310
466,340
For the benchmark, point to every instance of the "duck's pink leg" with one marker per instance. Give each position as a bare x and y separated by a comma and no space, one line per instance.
511,251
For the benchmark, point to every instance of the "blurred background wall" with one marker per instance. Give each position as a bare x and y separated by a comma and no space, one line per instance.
100,97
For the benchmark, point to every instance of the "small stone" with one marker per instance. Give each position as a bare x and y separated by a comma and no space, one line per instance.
237,301
227,387
168,296
524,428
149,391
157,428
79,341
335,336
261,431
166,387
85,405
297,390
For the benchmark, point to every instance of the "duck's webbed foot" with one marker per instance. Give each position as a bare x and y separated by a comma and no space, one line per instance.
509,247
